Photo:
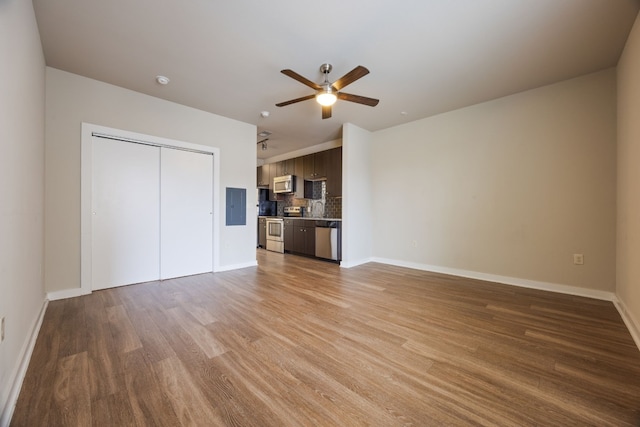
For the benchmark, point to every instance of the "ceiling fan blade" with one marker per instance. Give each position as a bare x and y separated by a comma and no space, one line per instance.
301,79
350,77
326,112
371,102
293,101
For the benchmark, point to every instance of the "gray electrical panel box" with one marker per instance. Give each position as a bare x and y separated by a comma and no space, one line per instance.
236,206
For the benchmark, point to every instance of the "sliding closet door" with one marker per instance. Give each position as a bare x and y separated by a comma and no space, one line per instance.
186,213
125,213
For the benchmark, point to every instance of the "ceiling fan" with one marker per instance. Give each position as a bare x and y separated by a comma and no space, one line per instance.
327,93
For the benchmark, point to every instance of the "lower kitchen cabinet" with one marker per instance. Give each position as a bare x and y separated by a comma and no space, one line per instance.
310,238
300,236
262,232
289,229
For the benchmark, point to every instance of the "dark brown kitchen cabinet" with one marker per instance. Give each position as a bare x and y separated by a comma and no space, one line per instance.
299,233
302,236
320,163
315,166
264,175
262,232
334,172
278,169
298,172
299,167
308,166
272,174
286,167
310,238
289,230
323,165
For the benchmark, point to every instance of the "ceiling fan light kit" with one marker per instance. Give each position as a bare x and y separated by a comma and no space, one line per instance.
328,93
326,99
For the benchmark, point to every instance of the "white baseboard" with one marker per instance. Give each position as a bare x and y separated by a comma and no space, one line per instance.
66,293
349,264
514,281
25,358
627,317
235,266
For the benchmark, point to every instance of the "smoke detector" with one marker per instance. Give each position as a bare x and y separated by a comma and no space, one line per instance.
162,80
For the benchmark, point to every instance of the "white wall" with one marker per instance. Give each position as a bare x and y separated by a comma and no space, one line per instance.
628,242
510,188
71,100
357,228
21,188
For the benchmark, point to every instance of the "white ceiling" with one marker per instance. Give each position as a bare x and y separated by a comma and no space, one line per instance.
425,56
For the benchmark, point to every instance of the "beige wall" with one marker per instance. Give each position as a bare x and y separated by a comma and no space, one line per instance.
628,242
71,100
511,187
21,188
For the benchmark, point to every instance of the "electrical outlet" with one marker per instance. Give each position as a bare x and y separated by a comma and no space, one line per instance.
1,329
578,259
415,243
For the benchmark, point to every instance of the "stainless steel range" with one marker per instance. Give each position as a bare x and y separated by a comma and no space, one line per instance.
293,211
275,234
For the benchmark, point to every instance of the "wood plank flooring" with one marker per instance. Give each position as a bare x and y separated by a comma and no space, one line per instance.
301,342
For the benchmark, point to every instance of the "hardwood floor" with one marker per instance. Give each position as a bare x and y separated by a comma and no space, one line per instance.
300,342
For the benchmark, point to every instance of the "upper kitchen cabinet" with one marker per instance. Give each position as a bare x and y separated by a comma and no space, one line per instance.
315,166
299,167
298,172
324,165
334,172
286,167
308,166
272,174
264,176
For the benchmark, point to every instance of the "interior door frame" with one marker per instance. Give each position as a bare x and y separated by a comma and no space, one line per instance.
86,180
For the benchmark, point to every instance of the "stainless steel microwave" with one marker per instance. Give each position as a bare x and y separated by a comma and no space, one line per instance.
283,184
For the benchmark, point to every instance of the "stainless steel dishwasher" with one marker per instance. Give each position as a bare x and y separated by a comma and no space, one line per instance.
328,240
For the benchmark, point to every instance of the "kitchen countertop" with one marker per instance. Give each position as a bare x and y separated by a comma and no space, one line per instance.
313,218
303,217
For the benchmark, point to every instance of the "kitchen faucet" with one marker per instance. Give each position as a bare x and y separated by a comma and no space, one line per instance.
317,208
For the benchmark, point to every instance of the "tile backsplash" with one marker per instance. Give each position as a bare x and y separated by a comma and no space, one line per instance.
333,207
327,207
